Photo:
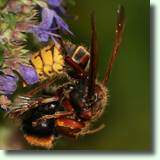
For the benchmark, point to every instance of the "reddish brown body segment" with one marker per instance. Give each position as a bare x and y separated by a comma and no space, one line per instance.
69,127
67,104
70,123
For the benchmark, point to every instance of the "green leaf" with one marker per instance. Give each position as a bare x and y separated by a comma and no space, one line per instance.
9,47
6,17
71,2
11,19
3,3
4,73
1,55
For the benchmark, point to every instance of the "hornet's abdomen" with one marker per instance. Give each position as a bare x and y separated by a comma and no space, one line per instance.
48,62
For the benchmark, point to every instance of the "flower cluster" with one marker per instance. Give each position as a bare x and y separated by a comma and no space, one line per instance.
51,21
17,18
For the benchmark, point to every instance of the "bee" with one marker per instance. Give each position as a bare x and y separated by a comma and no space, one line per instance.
70,108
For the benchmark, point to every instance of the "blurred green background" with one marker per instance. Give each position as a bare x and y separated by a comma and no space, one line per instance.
127,115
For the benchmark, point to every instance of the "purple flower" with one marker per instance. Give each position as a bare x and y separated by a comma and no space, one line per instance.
8,84
28,73
60,10
48,24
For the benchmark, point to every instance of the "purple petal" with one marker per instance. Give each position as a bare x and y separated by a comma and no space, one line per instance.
61,8
55,42
52,34
42,37
60,23
8,77
7,87
54,3
47,18
51,29
28,73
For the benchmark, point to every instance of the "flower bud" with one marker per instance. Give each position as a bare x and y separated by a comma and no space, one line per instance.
28,73
7,84
8,77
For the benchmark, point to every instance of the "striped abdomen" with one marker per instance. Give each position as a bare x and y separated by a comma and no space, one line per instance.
49,62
